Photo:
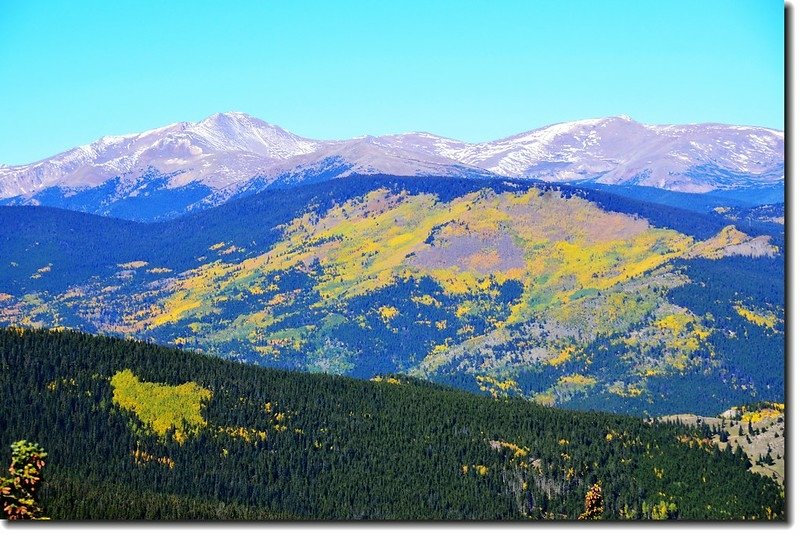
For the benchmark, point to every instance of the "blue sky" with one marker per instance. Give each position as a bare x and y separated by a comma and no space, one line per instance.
71,72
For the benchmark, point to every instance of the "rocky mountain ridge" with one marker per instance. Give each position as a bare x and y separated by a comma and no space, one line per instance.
187,166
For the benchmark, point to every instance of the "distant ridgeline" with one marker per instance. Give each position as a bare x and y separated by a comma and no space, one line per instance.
137,431
561,294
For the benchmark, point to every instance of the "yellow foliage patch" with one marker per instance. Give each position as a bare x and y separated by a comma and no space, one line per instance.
545,398
481,470
175,309
463,309
764,413
426,300
577,380
162,407
569,473
675,323
246,434
142,457
497,387
517,451
388,312
729,238
388,380
563,356
626,390
767,320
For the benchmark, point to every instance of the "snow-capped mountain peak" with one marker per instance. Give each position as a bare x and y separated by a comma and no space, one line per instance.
222,149
239,131
227,154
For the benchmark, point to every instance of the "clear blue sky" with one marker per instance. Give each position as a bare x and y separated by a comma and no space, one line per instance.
72,71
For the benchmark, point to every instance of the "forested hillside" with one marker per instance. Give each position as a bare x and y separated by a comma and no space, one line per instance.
569,296
134,430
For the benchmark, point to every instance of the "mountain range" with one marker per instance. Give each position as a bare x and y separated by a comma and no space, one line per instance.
183,167
599,264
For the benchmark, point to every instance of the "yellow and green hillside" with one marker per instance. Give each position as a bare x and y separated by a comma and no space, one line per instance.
560,295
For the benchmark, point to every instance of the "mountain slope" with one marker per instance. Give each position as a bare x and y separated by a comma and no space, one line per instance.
618,150
570,296
218,151
183,167
129,424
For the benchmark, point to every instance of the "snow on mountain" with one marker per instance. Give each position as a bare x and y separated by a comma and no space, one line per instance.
220,150
228,154
618,150
395,155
